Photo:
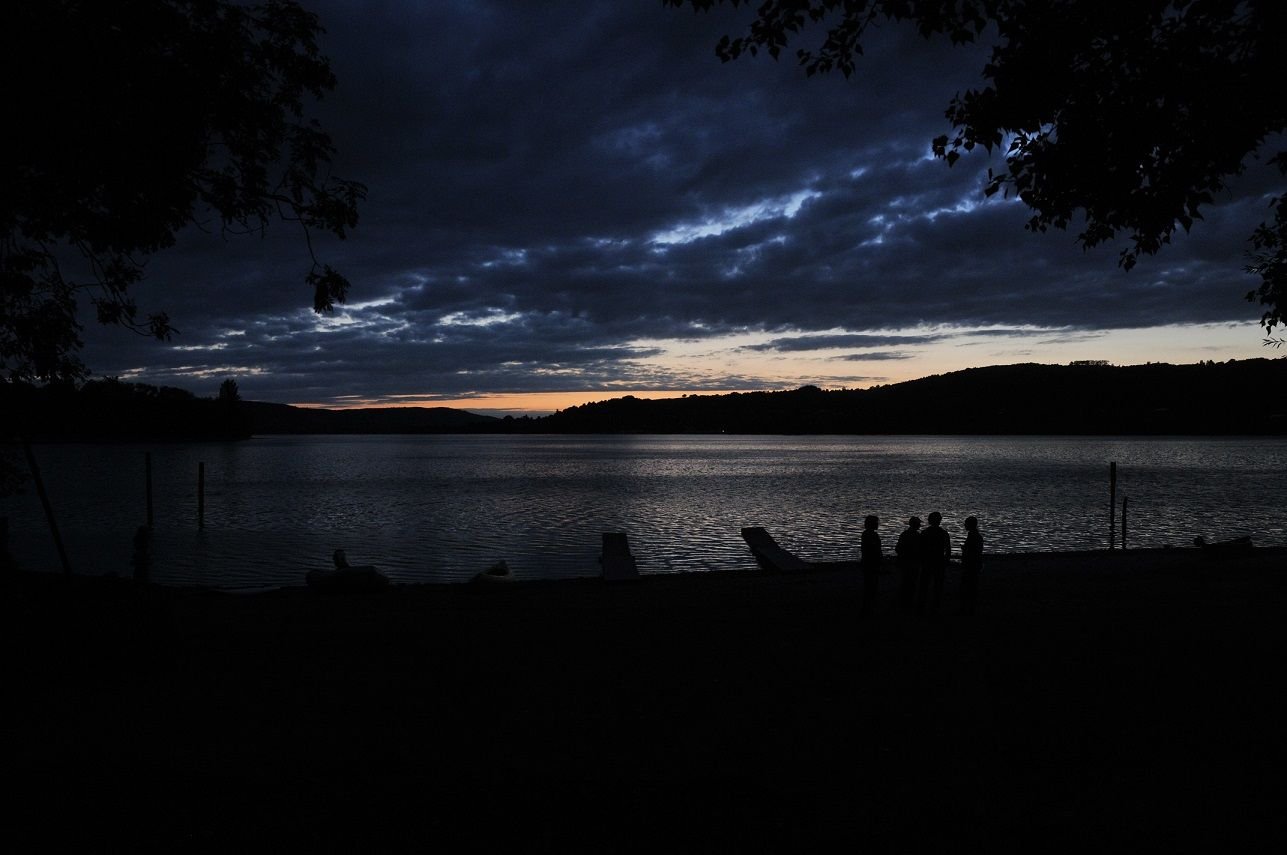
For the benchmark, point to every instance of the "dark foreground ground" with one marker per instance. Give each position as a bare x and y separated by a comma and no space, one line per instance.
1096,702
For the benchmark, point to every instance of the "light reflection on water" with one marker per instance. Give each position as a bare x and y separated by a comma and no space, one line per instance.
441,508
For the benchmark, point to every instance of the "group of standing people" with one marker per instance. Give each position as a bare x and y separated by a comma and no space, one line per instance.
922,558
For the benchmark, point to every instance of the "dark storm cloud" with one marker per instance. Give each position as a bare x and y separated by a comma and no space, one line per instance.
1015,332
551,182
874,356
828,342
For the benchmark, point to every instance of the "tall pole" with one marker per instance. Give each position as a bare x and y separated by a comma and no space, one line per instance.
1112,505
6,560
147,467
44,503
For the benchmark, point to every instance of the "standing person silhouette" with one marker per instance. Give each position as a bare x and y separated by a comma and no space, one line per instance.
870,562
971,566
908,550
936,549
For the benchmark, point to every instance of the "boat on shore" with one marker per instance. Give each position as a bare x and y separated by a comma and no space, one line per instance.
498,572
346,578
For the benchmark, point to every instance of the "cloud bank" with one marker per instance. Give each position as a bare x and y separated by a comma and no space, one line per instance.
578,196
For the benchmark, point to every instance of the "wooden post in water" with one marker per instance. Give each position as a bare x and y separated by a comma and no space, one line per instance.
201,495
1112,505
1126,500
147,470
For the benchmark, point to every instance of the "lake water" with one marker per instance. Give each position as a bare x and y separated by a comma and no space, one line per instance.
441,508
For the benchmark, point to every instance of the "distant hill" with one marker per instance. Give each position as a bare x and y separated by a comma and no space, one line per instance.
1235,397
265,418
1230,398
111,410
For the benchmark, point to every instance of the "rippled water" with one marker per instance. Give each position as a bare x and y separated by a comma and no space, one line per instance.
441,508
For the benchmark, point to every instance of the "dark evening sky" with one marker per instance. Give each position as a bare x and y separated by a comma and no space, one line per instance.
579,198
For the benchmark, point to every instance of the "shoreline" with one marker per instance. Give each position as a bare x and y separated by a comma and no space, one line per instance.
1119,701
1090,560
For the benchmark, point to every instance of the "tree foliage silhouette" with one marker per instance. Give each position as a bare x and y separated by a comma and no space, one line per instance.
132,120
1131,116
228,392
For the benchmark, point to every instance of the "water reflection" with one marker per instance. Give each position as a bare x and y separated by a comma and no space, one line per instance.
443,508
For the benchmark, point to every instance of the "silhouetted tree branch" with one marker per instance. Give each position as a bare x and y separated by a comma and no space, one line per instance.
1128,116
129,121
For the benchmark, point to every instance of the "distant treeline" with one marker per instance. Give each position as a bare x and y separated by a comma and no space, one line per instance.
113,410
116,411
283,418
1235,397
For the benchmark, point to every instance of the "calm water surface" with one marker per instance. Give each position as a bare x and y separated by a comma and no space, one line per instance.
441,508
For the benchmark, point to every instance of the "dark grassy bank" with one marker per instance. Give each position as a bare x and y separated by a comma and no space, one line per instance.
1105,702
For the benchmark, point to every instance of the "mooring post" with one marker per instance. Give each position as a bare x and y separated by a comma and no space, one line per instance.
142,554
1112,505
147,470
1126,500
201,495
